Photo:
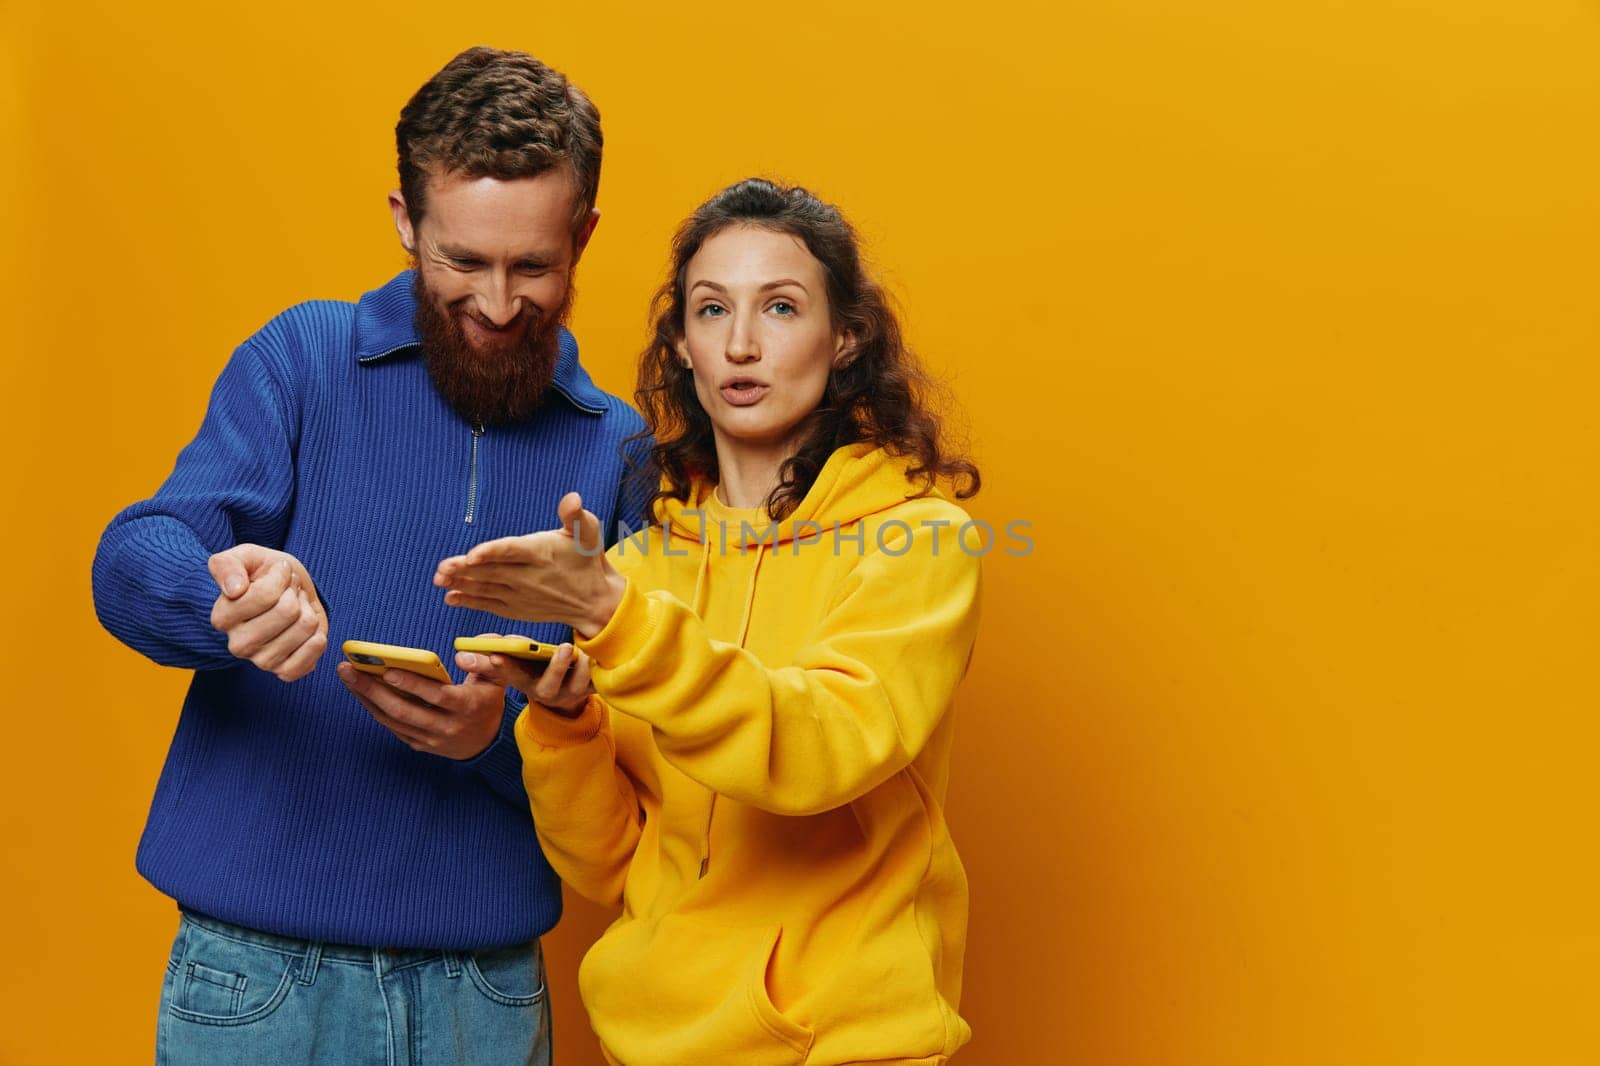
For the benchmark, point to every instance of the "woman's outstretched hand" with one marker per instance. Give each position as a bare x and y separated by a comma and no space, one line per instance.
561,575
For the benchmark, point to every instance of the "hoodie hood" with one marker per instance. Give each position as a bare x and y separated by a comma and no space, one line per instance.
857,480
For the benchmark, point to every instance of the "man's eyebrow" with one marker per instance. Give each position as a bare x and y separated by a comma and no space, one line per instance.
451,251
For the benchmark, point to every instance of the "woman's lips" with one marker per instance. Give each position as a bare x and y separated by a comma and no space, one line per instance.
743,393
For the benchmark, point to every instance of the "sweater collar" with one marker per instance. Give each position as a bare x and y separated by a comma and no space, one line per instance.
386,327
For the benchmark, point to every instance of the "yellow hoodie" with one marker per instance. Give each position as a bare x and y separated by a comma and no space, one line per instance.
759,781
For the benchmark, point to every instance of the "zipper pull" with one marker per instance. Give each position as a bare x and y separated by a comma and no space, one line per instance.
472,475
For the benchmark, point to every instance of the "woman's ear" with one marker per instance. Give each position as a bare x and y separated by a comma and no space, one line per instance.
681,346
845,347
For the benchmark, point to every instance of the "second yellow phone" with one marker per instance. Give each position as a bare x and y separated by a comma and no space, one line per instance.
516,647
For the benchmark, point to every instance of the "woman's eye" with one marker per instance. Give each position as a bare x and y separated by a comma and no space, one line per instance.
784,307
711,311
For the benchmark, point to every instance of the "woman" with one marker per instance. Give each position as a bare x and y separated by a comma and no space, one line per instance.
757,772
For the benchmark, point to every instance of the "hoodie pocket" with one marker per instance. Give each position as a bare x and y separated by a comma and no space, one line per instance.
689,990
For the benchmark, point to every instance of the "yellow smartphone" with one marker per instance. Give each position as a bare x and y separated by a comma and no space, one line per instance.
516,647
372,658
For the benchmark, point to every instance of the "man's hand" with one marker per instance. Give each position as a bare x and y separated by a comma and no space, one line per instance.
456,721
269,610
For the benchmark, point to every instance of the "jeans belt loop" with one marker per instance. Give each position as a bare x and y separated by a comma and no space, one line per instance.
310,963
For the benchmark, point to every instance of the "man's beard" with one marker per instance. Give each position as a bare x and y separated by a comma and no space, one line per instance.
496,385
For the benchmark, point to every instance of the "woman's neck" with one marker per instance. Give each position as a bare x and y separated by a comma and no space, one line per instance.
747,476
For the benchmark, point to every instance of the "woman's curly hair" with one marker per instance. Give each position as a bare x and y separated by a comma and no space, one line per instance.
878,393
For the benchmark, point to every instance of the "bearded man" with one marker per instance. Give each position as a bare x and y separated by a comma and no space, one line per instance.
354,863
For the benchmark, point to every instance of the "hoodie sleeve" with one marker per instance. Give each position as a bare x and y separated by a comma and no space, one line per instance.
857,704
585,806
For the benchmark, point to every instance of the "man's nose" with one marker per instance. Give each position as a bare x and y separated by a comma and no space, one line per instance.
497,303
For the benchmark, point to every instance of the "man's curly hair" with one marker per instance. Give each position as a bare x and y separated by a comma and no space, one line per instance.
496,114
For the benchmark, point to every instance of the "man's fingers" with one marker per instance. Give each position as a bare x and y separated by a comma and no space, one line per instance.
312,629
464,720
357,683
292,653
230,574
250,637
262,594
423,689
309,588
392,702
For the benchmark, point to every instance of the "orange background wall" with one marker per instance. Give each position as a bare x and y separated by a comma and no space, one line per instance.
1277,320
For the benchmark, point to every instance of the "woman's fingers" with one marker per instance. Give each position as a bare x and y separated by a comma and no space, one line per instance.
501,669
497,575
548,687
491,604
577,686
524,549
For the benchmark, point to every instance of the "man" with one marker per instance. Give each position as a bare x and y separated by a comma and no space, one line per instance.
358,878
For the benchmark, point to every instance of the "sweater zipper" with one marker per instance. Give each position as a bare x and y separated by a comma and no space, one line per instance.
472,477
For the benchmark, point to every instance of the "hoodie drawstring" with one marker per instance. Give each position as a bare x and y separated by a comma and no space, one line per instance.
701,584
702,579
750,594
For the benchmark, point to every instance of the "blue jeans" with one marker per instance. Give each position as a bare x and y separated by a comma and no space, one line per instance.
241,997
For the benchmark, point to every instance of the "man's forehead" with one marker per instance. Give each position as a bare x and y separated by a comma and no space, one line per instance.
487,215
555,187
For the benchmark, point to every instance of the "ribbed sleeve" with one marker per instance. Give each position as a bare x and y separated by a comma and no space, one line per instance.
233,484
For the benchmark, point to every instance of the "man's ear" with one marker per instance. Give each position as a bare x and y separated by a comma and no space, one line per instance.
582,240
402,221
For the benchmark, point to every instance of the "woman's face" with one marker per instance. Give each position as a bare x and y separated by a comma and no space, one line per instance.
758,337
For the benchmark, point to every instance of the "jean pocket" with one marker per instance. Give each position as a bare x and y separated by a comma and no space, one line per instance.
218,980
512,977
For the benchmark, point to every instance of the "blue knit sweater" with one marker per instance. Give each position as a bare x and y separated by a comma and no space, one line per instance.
285,807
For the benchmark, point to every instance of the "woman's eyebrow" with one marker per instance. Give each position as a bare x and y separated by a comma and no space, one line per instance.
778,284
781,282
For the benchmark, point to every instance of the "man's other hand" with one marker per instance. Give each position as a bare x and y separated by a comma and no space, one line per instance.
456,721
269,610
